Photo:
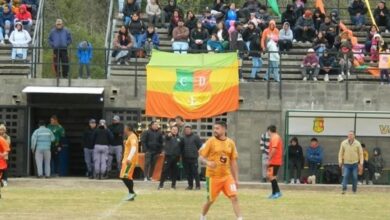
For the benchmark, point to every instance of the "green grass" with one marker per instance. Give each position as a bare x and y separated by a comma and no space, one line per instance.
59,199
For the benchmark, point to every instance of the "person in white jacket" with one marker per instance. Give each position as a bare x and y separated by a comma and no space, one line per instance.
273,60
285,38
154,12
19,39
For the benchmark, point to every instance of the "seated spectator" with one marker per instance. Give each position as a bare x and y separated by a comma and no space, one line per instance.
318,19
213,44
174,21
231,15
222,34
382,15
154,12
84,53
370,34
304,28
150,40
346,58
310,65
180,36
121,4
289,15
250,6
218,9
16,6
327,63
19,39
329,30
320,44
123,42
250,34
295,161
273,60
254,19
24,17
128,10
285,38
375,165
357,11
191,20
314,155
299,7
137,29
263,18
376,45
199,38
169,10
335,19
385,72
6,23
209,21
270,32
32,6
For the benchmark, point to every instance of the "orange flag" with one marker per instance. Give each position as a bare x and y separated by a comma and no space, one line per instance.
320,5
354,40
374,71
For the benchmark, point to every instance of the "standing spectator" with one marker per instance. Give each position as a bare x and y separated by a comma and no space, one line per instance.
209,21
231,15
271,32
315,155
222,35
320,43
32,6
190,146
236,39
199,37
264,148
150,40
102,137
41,142
123,43
370,34
346,58
251,33
273,60
289,15
6,23
327,63
24,17
154,12
84,53
7,150
173,23
329,30
310,65
137,28
357,11
116,146
382,15
263,18
180,124
19,39
59,39
350,160
59,134
172,155
275,160
295,160
152,142
191,20
254,51
363,175
285,38
304,30
375,165
318,19
88,147
180,38
128,10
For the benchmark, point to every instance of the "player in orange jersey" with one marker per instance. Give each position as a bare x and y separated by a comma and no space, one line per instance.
275,160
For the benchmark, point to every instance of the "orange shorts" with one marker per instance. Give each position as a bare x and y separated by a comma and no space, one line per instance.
127,171
215,185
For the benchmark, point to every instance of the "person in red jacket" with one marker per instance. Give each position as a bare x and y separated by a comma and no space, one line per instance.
24,16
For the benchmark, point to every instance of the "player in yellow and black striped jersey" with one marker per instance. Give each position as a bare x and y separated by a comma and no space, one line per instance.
130,160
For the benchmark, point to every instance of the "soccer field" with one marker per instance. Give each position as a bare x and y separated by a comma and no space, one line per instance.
85,199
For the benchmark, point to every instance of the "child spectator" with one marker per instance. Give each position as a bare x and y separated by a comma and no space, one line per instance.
128,10
285,38
357,11
174,21
122,45
273,60
180,38
314,155
304,30
199,38
24,17
19,39
318,19
150,40
263,18
370,34
154,12
295,160
6,23
346,58
376,45
270,32
327,63
310,66
222,35
213,44
385,69
289,15
191,20
375,165
382,15
137,29
209,21
231,15
320,44
84,53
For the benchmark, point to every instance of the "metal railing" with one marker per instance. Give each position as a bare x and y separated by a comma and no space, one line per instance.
109,34
37,38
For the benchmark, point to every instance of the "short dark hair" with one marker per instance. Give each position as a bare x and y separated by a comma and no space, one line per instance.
54,117
130,127
314,139
179,117
41,123
171,120
271,128
363,145
221,123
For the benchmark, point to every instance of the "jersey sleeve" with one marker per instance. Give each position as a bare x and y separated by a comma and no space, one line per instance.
205,149
234,154
133,142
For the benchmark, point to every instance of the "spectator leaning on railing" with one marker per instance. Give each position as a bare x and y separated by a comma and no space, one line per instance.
19,39
84,53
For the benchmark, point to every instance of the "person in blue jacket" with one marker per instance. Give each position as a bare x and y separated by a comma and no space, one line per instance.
231,15
84,53
314,155
150,39
41,142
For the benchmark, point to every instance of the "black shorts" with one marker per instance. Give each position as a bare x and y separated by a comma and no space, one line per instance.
273,170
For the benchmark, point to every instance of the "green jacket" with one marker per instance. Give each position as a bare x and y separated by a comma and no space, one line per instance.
58,131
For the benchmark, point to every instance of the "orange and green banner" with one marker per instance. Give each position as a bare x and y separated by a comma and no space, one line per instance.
191,85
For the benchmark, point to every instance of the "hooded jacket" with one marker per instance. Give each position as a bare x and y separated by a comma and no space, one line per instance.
304,22
23,14
314,155
289,15
376,161
295,153
286,34
84,52
19,38
129,9
327,61
357,7
274,34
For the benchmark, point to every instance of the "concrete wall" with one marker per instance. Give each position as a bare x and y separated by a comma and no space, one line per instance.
256,111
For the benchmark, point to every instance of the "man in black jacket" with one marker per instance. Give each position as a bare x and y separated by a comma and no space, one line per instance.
116,146
382,15
102,137
172,154
152,143
190,146
88,147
